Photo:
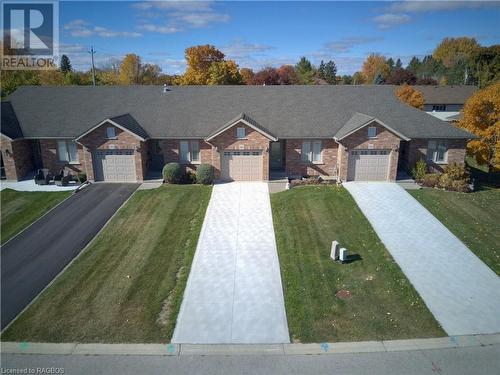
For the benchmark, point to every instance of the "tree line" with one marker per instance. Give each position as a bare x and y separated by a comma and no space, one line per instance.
454,61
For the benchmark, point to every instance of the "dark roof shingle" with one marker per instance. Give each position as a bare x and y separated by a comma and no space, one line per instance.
9,123
129,123
446,94
197,111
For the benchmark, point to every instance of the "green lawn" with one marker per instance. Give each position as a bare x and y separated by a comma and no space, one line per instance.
21,208
472,217
128,285
384,305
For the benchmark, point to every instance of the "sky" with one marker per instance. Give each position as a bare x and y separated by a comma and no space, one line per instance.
257,34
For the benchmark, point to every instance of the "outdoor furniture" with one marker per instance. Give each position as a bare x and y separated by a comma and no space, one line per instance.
43,177
63,178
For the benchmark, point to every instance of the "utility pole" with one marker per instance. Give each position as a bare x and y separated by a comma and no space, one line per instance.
92,51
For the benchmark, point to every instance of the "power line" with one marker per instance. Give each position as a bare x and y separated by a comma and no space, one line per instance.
92,51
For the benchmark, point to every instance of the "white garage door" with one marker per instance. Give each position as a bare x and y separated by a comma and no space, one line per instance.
368,165
241,165
114,165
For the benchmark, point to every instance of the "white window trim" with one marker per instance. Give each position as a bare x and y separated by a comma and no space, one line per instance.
244,132
189,159
433,158
67,143
374,136
114,132
310,156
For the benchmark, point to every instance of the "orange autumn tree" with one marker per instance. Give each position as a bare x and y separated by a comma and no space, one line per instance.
199,60
481,117
374,64
410,96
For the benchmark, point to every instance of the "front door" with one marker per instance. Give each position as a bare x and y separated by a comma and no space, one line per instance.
156,155
276,155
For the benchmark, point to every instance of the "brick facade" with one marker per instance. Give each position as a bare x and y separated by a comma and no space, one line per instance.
17,157
171,154
97,140
254,140
296,167
385,140
50,158
416,149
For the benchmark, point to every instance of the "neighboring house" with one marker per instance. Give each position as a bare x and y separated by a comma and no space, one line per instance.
120,133
445,102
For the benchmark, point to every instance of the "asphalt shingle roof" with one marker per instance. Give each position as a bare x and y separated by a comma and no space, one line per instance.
197,111
128,122
9,124
244,117
446,94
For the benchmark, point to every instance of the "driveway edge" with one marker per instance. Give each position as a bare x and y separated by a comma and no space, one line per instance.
250,349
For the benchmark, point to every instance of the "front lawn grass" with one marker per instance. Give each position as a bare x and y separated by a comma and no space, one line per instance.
21,208
383,305
472,217
128,285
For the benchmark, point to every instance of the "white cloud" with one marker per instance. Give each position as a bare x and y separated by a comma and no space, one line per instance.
388,20
81,28
159,29
179,15
431,5
346,44
239,49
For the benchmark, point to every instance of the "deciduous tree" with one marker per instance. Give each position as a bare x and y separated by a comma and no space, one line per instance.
266,76
199,59
451,50
224,73
373,65
481,116
246,75
358,78
410,96
400,76
130,69
288,75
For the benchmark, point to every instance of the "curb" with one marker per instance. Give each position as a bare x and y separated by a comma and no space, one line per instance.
250,349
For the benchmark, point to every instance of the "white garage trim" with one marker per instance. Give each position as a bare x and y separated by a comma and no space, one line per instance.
369,165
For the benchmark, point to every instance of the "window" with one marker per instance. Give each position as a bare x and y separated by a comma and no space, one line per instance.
439,107
189,152
240,133
437,151
311,151
372,132
67,151
111,133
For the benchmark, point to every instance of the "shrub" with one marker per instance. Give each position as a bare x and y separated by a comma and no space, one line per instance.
82,177
204,174
460,185
189,178
430,180
419,170
445,181
457,172
172,173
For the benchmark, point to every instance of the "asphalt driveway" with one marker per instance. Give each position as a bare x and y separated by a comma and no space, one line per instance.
457,287
234,292
31,260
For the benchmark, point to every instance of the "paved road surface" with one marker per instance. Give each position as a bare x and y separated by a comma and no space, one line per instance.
234,292
460,290
470,360
31,260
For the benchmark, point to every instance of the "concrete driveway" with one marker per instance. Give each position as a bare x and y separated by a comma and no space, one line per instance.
458,288
234,292
31,260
